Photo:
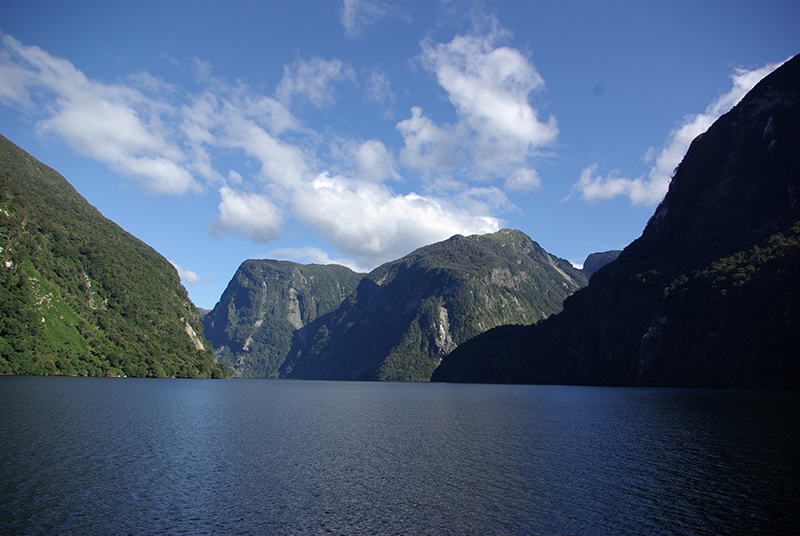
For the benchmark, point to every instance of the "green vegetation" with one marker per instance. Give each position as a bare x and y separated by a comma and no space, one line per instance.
709,295
279,319
80,296
406,315
265,308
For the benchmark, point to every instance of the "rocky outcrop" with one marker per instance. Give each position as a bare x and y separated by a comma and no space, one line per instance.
595,261
266,305
406,315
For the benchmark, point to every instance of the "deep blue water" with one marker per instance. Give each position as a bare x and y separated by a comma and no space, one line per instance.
139,456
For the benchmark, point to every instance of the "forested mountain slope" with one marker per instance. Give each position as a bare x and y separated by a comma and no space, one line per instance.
709,295
407,314
265,305
80,296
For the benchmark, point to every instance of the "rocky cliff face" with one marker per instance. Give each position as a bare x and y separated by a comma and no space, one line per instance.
281,319
408,314
595,261
80,296
266,305
707,296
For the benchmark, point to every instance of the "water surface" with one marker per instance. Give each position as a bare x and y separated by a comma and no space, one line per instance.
142,456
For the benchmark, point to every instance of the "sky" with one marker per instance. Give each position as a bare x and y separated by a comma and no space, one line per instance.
356,131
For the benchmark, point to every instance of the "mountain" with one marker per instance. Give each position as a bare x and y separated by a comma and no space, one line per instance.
709,295
265,305
407,314
80,296
595,261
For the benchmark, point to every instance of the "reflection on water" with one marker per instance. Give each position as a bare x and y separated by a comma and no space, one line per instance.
86,455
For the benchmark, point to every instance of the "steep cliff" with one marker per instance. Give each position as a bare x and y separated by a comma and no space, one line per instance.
407,314
265,305
709,294
595,261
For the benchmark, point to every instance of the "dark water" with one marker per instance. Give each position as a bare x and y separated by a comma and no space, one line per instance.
128,456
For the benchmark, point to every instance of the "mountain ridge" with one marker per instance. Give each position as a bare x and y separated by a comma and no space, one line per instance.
81,296
407,314
400,319
707,295
265,305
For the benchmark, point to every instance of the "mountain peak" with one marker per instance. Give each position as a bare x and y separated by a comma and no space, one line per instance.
707,296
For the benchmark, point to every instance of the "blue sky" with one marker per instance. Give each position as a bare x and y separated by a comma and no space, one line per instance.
356,131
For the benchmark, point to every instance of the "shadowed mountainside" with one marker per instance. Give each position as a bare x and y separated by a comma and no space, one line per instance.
407,314
709,295
282,319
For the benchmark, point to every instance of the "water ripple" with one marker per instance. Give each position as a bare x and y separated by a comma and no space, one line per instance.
125,456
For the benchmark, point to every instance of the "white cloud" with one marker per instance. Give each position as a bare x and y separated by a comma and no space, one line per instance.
428,147
281,162
362,218
523,179
202,69
310,255
371,224
167,139
115,124
370,160
651,190
594,187
498,130
313,79
375,162
187,276
232,120
150,83
356,15
378,88
250,214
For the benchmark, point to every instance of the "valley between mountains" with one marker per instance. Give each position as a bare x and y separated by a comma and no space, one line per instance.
285,320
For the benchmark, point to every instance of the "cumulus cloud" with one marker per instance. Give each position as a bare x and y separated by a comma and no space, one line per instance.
498,130
372,224
230,120
375,162
523,179
250,214
370,159
168,140
593,187
429,147
115,124
313,80
652,189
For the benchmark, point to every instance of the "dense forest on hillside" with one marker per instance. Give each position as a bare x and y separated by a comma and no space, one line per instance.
265,305
709,295
407,314
80,296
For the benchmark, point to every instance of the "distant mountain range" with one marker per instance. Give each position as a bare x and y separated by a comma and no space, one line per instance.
709,295
80,296
281,319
